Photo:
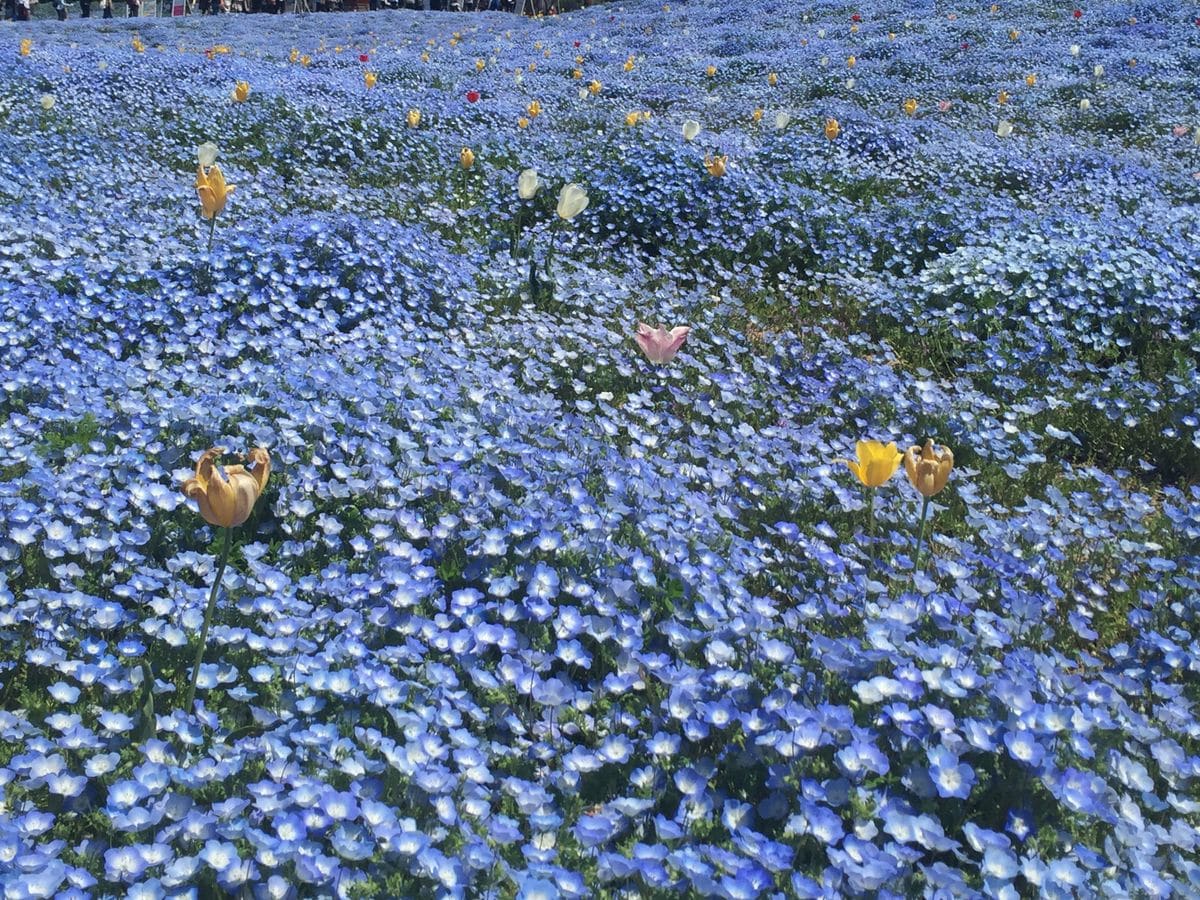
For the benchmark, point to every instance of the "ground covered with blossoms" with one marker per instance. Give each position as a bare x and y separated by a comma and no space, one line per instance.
523,613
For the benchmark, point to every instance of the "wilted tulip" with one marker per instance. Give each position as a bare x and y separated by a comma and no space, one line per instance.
876,463
928,467
1004,129
691,128
227,498
466,157
527,184
832,129
572,200
716,165
660,345
241,91
413,118
212,190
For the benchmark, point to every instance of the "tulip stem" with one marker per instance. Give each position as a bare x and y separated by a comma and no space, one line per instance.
920,537
208,614
871,531
212,228
550,247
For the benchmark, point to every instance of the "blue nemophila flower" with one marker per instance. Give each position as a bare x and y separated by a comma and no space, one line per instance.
950,777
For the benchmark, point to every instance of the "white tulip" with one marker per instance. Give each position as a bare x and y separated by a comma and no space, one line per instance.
1074,49
850,84
1098,71
821,33
1004,129
782,120
528,184
691,128
1196,135
1085,104
206,153
47,102
824,61
572,200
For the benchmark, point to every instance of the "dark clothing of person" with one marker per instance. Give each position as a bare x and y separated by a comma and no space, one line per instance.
85,9
133,9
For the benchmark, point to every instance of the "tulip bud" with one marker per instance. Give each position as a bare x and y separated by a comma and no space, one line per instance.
206,153
528,184
928,469
691,128
572,200
710,71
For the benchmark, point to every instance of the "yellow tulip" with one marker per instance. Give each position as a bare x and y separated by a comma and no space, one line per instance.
212,191
910,106
534,109
1030,80
632,119
305,60
425,56
479,64
466,157
1014,34
577,74
226,498
241,91
522,122
928,469
854,28
772,79
26,46
594,88
877,462
851,62
413,118
628,67
370,79
138,46
294,55
832,129
716,165
1002,97
757,115
579,60
710,71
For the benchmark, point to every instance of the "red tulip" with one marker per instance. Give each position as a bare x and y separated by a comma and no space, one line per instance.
362,57
472,96
1078,14
856,18
964,46
577,43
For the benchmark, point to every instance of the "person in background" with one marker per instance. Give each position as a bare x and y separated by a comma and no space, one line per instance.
24,10
85,9
133,8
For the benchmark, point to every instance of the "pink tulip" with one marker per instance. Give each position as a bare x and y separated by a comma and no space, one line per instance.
1180,130
943,105
660,345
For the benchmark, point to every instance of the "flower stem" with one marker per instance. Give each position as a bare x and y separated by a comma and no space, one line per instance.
871,532
550,247
208,614
920,537
212,228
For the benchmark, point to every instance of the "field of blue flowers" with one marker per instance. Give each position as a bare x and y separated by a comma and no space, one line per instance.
520,611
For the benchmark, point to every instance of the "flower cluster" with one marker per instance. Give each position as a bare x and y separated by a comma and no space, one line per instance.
547,584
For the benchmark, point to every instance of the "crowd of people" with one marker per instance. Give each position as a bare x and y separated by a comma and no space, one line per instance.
22,10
